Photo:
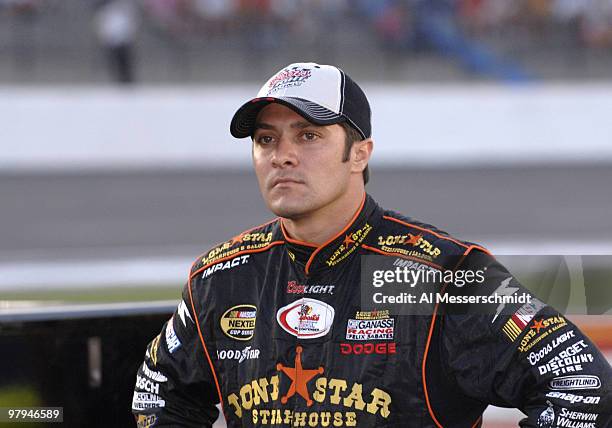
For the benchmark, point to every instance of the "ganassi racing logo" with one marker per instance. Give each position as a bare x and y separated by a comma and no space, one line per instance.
381,329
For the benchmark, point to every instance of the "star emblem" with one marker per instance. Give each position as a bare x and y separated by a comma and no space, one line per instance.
299,378
237,239
348,240
413,239
538,325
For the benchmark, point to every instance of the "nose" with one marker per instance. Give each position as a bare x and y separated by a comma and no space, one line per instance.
284,153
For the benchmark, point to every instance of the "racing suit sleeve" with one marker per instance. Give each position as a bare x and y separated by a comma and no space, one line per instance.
527,356
175,385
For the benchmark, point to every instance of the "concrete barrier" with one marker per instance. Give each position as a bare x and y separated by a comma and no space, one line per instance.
109,128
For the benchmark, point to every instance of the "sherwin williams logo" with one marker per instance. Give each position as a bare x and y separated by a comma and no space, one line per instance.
238,322
306,318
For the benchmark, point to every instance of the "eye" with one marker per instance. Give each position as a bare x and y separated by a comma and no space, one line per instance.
264,139
309,136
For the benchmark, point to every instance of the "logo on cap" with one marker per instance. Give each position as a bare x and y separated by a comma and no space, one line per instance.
294,76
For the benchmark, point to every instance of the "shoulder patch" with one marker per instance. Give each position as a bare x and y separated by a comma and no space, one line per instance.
403,237
233,250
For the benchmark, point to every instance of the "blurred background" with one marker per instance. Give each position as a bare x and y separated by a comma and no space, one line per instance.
491,120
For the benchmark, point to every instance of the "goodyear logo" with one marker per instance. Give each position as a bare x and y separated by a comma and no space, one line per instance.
238,322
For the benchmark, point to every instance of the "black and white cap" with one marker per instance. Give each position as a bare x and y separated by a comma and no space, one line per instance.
322,94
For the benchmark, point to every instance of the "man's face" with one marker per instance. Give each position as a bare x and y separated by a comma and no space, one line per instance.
298,164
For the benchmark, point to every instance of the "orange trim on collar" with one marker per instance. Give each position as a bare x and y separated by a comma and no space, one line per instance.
295,241
349,224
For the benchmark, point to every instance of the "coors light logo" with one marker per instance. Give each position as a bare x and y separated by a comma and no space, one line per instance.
287,78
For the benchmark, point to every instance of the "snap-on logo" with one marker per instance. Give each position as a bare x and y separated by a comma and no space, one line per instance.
306,318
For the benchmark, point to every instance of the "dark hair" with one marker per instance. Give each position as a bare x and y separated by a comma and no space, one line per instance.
352,135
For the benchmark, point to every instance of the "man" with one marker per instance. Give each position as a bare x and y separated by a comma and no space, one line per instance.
272,325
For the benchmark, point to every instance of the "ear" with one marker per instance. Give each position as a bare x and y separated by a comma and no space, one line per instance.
360,154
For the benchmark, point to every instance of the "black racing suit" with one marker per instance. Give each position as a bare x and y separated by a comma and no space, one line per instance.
274,330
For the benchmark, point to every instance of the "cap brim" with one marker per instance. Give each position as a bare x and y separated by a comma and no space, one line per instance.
243,122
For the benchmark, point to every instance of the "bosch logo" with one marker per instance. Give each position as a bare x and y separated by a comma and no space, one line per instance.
367,348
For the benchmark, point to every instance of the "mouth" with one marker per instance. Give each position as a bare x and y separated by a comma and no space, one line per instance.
284,181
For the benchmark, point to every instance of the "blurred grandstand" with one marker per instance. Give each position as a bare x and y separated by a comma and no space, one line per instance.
58,41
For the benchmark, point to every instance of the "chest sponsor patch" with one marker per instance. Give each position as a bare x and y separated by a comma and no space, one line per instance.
238,355
238,322
306,318
377,329
383,348
294,288
575,382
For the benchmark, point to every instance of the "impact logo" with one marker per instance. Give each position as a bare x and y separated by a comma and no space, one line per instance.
237,261
306,318
238,322
289,77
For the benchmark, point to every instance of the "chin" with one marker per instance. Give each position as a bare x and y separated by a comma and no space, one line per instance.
288,209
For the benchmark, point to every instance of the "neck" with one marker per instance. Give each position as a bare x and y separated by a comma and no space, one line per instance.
321,226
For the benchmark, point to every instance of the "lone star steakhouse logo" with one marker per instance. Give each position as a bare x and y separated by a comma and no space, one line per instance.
414,240
348,240
350,243
299,378
237,239
423,248
333,394
247,241
537,325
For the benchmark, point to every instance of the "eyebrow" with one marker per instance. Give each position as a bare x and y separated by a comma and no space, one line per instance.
295,125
